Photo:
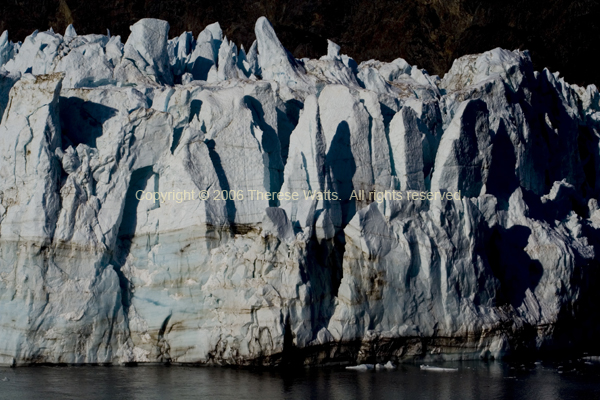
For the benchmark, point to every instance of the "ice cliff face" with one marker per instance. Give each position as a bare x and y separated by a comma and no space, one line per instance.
91,271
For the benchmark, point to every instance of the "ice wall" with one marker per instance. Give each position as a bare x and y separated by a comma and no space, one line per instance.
93,271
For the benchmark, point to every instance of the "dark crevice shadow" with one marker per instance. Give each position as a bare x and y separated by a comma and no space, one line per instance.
195,107
163,328
6,84
223,182
511,264
388,114
567,199
415,257
288,356
369,140
501,180
162,346
270,144
286,123
323,269
590,160
176,138
139,180
81,121
580,319
341,166
201,68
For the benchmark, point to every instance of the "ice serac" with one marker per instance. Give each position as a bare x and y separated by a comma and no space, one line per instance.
463,156
6,48
333,50
252,58
264,210
87,64
276,63
73,301
36,55
228,62
70,33
145,53
179,50
6,83
405,142
304,171
30,136
205,55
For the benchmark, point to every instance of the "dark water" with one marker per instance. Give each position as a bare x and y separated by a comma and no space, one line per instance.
474,380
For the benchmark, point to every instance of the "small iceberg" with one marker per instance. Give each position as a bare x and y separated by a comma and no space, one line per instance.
369,367
591,359
388,365
438,369
361,367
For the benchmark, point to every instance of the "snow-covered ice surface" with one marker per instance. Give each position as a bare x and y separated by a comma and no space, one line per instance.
91,273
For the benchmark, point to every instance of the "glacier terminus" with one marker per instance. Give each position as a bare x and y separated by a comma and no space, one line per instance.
92,272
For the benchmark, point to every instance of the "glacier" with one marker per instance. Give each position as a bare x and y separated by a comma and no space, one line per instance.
92,272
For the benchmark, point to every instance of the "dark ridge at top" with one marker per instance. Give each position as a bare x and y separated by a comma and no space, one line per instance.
560,34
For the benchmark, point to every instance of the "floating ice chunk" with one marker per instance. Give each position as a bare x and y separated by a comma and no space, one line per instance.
361,367
389,365
438,369
592,359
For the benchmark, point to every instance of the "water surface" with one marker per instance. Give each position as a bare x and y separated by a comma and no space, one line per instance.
474,380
